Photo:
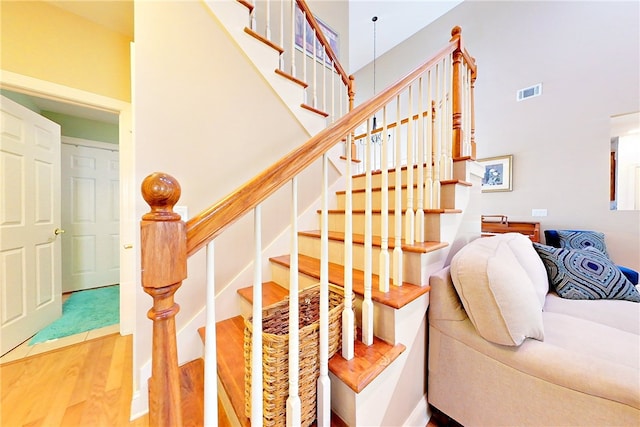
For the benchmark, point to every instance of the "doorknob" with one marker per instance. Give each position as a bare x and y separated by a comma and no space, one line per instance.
128,246
58,231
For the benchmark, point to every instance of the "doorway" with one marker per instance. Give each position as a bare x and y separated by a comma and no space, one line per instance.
75,99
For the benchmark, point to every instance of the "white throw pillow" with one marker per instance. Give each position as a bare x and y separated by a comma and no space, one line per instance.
496,292
529,259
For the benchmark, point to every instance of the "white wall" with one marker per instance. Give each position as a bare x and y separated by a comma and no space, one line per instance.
586,54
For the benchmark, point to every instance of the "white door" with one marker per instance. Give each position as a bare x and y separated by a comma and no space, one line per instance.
30,268
90,214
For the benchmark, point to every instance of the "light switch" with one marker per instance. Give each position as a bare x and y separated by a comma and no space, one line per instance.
538,212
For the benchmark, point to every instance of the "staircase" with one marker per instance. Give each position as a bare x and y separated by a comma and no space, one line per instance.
379,239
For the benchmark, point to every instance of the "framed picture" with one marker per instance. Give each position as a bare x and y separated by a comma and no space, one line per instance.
329,34
497,173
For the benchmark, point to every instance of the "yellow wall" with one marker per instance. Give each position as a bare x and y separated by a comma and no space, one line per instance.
45,42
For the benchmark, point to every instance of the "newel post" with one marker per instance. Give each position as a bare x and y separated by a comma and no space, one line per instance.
456,137
164,266
352,98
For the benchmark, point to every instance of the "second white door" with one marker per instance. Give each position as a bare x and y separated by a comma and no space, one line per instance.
90,214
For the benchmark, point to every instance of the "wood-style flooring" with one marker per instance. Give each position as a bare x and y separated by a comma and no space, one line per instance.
85,384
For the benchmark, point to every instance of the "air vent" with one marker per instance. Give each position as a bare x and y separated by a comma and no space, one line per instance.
529,92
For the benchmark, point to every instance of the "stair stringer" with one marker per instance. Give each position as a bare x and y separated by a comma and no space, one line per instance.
234,17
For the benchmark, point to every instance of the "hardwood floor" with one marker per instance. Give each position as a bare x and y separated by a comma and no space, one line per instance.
86,384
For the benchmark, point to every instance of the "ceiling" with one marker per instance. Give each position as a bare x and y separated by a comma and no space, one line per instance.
397,21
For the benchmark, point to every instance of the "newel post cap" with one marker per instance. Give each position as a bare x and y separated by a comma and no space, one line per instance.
161,191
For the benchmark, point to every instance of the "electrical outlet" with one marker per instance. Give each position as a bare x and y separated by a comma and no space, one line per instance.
538,212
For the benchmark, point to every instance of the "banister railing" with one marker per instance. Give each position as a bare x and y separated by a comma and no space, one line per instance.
441,92
307,55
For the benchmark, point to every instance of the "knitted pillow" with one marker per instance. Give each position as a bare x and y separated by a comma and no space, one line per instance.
585,274
582,239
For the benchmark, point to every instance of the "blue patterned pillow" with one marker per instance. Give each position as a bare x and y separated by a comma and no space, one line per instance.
582,239
585,274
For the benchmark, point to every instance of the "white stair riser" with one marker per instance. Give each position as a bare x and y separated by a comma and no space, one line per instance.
376,179
413,262
336,223
359,199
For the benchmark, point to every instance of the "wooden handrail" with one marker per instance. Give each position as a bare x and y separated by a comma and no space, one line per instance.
208,224
323,40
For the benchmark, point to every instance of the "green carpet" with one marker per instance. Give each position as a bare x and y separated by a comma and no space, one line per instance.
84,311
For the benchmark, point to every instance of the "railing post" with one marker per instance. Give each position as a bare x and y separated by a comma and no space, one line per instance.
473,115
352,96
163,242
456,139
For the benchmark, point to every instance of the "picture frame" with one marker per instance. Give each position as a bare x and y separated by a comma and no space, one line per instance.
498,173
331,36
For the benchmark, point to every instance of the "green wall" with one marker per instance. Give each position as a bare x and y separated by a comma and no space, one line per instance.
84,128
76,127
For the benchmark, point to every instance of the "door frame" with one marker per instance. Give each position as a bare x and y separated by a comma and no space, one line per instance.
128,250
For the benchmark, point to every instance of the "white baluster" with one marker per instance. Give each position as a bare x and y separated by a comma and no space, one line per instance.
210,363
348,318
383,284
304,54
367,303
256,338
429,181
252,16
409,231
333,97
293,39
324,79
314,63
420,164
397,250
439,136
268,20
281,64
324,385
293,401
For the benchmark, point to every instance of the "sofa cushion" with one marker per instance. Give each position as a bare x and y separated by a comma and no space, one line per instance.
623,315
585,274
582,239
496,292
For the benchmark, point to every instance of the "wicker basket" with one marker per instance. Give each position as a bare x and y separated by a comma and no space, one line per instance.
275,354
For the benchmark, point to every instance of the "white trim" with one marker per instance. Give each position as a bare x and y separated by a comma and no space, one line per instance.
420,415
90,143
42,88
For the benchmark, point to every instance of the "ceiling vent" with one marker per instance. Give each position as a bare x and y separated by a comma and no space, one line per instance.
529,92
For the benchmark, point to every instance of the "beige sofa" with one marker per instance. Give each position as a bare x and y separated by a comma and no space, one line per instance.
557,361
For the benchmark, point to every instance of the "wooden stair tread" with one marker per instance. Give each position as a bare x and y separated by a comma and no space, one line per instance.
230,358
397,297
404,186
368,362
417,247
271,293
192,392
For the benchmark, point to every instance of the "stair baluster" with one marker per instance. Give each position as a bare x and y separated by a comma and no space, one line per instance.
397,250
420,164
324,384
294,405
256,337
409,232
383,284
348,318
210,376
367,304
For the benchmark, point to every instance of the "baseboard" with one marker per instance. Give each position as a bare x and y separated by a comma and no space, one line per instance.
420,415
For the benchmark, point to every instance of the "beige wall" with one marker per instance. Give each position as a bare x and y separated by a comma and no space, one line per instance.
586,54
43,41
204,115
